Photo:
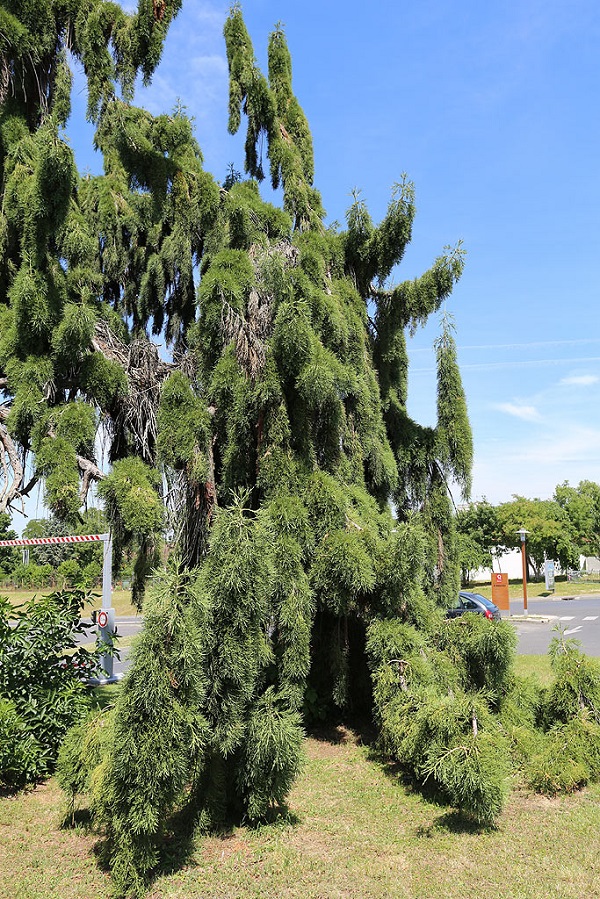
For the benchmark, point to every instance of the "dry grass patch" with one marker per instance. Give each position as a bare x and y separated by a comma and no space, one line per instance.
37,858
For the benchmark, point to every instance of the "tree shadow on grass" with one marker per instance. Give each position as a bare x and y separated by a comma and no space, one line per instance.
352,730
455,822
278,816
182,838
78,819
176,845
179,842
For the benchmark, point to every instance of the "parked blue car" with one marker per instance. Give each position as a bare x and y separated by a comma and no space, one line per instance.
474,602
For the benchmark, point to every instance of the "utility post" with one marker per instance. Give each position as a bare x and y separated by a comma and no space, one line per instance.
106,615
523,534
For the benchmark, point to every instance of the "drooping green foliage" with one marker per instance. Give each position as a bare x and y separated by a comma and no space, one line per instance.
435,695
89,266
202,727
158,733
567,754
454,434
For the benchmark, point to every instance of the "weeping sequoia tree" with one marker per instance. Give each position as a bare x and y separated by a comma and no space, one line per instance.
272,444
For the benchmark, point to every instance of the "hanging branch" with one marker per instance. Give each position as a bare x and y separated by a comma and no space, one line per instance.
11,469
90,472
146,371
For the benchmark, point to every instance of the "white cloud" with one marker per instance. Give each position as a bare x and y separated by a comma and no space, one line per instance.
505,466
580,380
526,413
564,446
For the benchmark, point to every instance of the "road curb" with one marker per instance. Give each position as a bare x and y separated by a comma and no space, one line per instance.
535,619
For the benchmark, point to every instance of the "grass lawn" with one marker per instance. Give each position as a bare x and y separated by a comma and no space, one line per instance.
562,587
353,830
121,599
536,666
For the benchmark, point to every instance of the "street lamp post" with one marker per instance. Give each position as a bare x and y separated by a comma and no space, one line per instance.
522,534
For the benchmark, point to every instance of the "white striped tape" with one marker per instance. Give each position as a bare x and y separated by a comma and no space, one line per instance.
44,541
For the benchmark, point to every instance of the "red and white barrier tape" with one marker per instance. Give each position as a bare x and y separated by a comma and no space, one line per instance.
44,541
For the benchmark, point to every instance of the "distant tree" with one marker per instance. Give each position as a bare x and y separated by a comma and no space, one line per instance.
582,505
551,534
480,537
8,557
47,554
69,573
93,521
471,558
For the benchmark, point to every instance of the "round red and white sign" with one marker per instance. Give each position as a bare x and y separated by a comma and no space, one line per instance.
102,618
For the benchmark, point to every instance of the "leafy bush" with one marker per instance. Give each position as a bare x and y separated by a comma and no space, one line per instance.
18,749
41,681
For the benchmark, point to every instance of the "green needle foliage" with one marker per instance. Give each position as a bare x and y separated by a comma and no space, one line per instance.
435,697
567,755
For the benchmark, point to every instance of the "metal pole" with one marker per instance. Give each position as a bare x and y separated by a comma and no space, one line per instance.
524,560
107,627
106,571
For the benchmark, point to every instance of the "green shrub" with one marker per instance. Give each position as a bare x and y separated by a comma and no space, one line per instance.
431,725
576,685
18,749
473,772
569,757
483,650
41,678
81,754
519,714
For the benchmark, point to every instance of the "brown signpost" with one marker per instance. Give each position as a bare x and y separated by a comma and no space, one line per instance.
500,591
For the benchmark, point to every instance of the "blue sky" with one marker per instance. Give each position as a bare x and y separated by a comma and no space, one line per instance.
491,109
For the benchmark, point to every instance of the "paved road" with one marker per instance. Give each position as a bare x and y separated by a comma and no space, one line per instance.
578,616
126,627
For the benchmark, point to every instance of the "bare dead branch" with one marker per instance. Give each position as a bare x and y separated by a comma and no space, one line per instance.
90,472
250,331
12,469
137,412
